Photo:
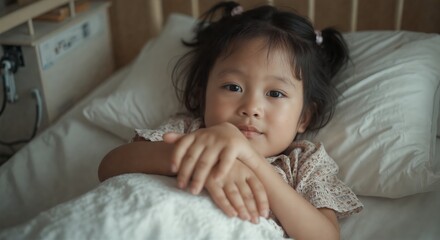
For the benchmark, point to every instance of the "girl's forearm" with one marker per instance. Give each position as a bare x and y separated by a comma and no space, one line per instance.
299,218
137,157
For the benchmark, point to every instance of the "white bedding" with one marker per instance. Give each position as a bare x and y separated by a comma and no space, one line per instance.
60,165
138,206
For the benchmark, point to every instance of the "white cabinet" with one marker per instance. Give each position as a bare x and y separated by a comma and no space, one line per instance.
63,61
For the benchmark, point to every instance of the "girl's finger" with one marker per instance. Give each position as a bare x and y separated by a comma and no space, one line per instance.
203,168
249,200
260,196
220,199
234,196
172,137
225,162
189,161
180,150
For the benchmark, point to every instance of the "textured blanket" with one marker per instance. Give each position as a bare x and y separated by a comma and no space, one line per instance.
138,206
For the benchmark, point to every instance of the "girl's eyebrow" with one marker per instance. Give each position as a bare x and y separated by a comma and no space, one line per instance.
230,71
236,71
282,79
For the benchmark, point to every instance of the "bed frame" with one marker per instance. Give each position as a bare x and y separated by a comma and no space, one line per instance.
135,22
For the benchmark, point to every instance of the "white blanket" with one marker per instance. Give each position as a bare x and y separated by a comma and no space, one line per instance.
138,206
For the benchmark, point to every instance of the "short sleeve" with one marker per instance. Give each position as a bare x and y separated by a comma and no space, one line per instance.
318,183
179,124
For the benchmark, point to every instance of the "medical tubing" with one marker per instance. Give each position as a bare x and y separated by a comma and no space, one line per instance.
4,81
39,101
3,107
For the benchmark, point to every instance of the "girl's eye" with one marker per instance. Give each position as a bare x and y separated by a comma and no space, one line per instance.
233,88
275,94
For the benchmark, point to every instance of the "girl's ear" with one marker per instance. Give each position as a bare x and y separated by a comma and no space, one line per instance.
305,119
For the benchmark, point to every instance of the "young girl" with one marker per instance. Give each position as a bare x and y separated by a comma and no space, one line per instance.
252,81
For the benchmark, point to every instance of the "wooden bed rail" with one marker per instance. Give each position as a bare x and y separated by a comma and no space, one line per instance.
135,22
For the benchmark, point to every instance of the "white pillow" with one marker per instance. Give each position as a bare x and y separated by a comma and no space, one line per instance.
383,134
384,129
146,97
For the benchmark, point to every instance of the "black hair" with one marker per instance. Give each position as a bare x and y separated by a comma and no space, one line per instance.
313,62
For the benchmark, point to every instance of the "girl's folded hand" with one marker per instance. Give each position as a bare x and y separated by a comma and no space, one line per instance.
196,154
239,194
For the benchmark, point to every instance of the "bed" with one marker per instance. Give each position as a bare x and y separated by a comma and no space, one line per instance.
384,136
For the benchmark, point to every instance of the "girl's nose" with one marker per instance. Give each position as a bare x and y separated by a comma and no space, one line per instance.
251,107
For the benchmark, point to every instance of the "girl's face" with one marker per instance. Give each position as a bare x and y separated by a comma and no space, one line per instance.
256,91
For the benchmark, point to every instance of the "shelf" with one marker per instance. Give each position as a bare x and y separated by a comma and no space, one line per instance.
25,13
44,29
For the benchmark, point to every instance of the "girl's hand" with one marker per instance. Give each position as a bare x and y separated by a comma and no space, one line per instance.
195,154
240,194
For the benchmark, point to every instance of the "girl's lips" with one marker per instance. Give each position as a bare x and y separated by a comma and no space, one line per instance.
250,134
249,131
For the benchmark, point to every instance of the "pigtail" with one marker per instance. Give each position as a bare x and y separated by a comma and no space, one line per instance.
331,56
333,50
202,29
227,7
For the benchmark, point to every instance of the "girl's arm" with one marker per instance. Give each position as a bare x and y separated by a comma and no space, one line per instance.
299,218
137,157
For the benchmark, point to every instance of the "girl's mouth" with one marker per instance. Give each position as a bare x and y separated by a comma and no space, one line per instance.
249,131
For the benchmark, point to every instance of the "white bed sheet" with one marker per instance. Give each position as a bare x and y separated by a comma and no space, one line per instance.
61,164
